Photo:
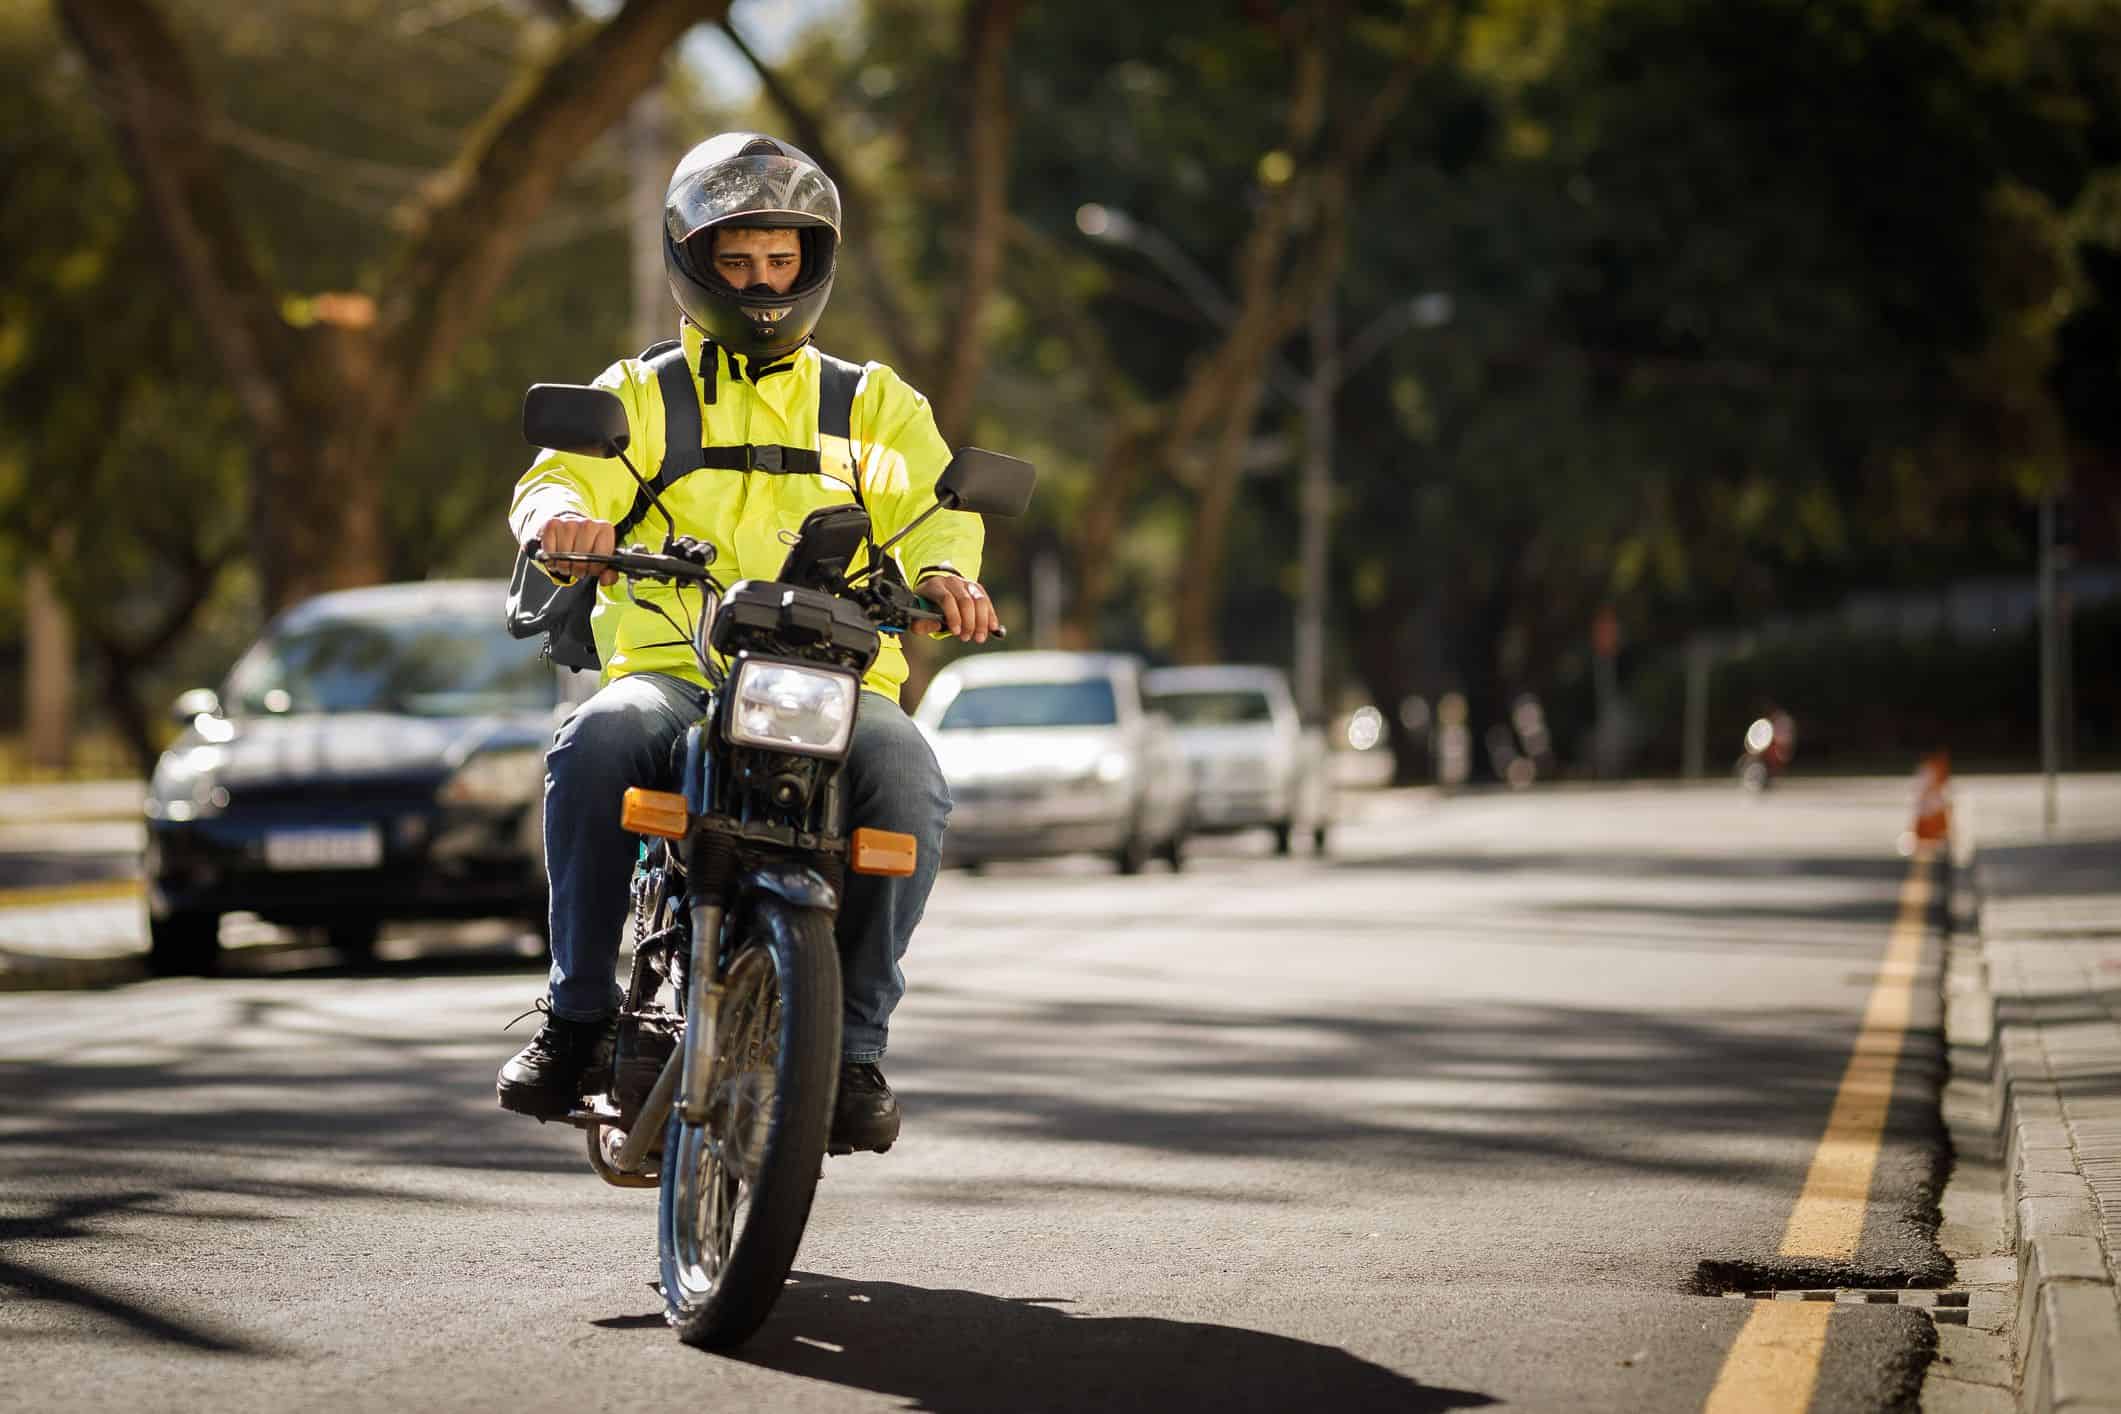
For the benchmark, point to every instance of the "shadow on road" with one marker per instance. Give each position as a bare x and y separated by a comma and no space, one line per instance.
79,1218
1468,1085
963,1352
1634,864
362,1090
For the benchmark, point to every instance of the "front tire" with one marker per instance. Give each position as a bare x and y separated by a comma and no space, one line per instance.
184,945
736,1191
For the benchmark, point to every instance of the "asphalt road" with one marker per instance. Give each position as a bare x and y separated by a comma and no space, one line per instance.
1451,1119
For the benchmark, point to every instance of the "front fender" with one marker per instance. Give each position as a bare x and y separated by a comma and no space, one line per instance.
798,884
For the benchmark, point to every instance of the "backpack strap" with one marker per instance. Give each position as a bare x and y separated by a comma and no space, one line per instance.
683,453
837,382
681,427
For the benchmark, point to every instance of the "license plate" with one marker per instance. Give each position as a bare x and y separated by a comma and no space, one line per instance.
358,847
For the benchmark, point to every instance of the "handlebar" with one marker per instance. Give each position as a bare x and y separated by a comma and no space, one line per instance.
895,607
638,563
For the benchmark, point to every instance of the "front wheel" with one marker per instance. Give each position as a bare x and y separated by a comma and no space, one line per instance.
736,1190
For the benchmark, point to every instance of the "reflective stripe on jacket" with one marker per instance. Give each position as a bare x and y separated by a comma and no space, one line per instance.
746,515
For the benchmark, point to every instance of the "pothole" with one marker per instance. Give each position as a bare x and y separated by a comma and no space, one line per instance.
1828,1281
1946,1308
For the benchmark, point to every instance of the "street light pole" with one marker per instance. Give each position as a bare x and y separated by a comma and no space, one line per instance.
2050,675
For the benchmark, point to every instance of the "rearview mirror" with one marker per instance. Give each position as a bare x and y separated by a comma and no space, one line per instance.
589,422
987,483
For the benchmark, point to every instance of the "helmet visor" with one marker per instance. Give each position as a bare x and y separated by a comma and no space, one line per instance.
758,190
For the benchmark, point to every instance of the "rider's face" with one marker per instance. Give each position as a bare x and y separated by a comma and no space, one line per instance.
747,257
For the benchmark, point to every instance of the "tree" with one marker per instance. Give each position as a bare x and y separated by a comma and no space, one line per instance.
326,402
1750,314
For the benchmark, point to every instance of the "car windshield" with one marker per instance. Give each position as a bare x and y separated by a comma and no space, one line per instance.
423,665
1084,703
1214,709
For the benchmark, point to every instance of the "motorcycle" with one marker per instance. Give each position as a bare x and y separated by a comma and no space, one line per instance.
721,1085
1770,745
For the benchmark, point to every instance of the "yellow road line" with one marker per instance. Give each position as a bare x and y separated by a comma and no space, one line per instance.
1774,1362
56,895
1829,1214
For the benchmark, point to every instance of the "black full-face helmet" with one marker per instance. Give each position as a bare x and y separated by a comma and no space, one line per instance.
749,179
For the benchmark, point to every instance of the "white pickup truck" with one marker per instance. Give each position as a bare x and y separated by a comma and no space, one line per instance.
1254,762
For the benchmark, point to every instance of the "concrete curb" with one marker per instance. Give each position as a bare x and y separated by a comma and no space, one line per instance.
2068,1333
26,972
34,972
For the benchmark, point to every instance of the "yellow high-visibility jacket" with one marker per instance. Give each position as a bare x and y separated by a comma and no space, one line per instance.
745,514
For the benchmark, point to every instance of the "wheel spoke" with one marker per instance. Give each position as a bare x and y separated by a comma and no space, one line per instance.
716,1162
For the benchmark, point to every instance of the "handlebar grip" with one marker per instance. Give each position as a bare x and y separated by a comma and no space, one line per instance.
924,606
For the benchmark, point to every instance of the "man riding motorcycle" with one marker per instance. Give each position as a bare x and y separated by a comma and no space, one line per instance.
751,235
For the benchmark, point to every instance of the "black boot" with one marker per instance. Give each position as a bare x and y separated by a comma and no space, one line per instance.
865,1115
546,1078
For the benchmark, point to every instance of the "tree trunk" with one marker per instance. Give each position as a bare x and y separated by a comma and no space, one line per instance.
988,27
329,403
47,673
1271,303
910,354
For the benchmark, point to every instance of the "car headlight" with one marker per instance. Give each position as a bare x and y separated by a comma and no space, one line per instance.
792,707
184,786
497,778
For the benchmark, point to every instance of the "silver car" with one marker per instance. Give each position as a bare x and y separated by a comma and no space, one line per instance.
1253,760
1054,753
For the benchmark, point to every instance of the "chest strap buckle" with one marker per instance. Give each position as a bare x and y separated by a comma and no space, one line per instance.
766,458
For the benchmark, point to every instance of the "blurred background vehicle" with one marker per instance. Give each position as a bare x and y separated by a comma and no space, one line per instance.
1056,753
377,755
1254,762
1770,746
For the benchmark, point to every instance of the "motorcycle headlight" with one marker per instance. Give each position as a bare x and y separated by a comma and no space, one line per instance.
497,778
792,707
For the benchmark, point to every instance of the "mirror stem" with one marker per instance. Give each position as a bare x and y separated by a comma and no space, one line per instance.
876,558
654,499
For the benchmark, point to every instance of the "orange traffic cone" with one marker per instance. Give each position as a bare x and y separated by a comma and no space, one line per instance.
1933,805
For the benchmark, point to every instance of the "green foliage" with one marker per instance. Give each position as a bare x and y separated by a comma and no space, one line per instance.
118,443
120,440
1754,301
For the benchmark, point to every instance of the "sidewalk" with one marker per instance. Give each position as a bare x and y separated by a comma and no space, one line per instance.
2048,914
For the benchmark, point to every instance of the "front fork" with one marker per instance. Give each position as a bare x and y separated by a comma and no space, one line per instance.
703,1002
684,1076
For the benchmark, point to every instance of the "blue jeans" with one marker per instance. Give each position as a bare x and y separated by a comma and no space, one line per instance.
624,736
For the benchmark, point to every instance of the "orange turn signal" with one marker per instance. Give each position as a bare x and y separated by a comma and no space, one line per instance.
655,812
882,852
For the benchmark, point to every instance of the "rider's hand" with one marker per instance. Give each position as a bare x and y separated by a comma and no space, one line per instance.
568,531
967,611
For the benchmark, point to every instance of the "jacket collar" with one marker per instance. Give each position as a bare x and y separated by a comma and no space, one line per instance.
716,367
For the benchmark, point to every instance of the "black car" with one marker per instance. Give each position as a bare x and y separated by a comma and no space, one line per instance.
378,754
